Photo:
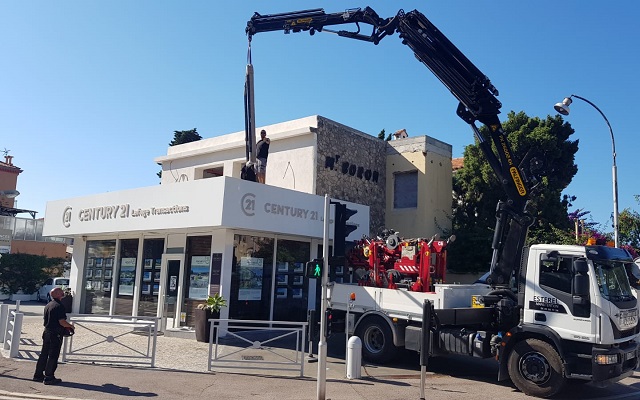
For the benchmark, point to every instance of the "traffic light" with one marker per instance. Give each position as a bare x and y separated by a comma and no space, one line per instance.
314,269
341,228
329,324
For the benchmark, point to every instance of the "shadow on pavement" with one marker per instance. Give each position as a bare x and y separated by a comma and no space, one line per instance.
107,388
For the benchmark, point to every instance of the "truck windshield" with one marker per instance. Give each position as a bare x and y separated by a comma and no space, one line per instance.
612,280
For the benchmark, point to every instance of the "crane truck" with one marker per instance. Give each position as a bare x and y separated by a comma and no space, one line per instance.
547,313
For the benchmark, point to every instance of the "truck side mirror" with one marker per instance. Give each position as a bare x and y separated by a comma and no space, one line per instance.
580,281
581,286
580,266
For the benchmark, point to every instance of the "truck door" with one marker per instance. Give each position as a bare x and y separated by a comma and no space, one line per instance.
550,302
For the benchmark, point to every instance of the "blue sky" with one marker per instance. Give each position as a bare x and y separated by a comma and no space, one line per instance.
91,91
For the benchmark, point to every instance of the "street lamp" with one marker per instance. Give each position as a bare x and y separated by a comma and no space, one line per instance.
10,194
563,108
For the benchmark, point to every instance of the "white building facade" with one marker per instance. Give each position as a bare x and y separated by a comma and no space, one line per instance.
160,251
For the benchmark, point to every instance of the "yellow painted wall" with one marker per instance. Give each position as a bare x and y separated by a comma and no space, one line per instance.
434,194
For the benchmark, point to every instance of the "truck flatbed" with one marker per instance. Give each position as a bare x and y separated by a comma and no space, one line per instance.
401,303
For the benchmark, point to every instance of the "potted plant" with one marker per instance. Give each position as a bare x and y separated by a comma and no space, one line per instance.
67,299
206,311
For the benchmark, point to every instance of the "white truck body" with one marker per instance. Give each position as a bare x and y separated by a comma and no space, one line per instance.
402,303
571,311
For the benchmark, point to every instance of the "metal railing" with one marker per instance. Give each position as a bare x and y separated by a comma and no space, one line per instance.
112,339
240,347
11,328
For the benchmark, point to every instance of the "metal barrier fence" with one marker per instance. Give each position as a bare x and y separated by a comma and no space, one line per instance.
10,328
240,347
112,339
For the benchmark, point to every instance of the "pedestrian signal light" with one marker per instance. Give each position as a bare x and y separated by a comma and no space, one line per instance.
314,269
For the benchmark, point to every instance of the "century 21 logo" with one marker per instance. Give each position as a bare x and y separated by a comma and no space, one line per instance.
66,217
248,204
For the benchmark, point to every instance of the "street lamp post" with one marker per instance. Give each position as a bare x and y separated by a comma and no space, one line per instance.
563,108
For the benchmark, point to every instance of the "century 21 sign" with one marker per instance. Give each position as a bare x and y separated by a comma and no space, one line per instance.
118,211
248,204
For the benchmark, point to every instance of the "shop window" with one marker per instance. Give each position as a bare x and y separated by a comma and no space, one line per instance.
198,264
126,276
405,189
292,287
152,250
252,272
98,275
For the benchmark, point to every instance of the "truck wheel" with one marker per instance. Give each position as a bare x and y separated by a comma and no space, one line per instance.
536,369
377,340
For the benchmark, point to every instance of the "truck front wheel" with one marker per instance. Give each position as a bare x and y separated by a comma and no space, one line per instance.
535,367
377,340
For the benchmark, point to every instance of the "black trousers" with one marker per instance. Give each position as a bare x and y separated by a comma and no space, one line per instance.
48,360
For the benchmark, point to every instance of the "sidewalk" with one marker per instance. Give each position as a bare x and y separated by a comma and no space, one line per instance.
181,372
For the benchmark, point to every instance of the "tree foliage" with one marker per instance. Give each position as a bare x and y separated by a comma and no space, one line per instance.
381,136
182,137
476,189
25,272
629,228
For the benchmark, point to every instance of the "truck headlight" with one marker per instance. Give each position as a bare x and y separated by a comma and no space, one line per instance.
606,359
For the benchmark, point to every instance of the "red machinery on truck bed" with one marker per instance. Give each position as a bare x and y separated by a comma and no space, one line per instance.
392,262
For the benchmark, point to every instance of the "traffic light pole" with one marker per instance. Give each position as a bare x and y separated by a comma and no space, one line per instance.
322,345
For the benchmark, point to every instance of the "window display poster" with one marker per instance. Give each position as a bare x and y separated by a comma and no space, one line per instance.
250,274
128,262
298,267
127,276
199,279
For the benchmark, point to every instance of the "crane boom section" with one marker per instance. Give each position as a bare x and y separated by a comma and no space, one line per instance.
477,102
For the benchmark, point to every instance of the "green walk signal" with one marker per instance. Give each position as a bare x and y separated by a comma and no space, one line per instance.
314,269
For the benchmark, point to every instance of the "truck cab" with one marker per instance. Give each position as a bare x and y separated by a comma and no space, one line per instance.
569,313
579,298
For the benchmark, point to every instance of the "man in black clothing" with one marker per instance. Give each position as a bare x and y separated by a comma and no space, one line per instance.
55,322
262,152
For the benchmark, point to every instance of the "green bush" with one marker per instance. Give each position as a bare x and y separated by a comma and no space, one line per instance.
24,272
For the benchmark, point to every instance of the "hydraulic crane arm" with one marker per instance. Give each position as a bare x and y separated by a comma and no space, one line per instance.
474,91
